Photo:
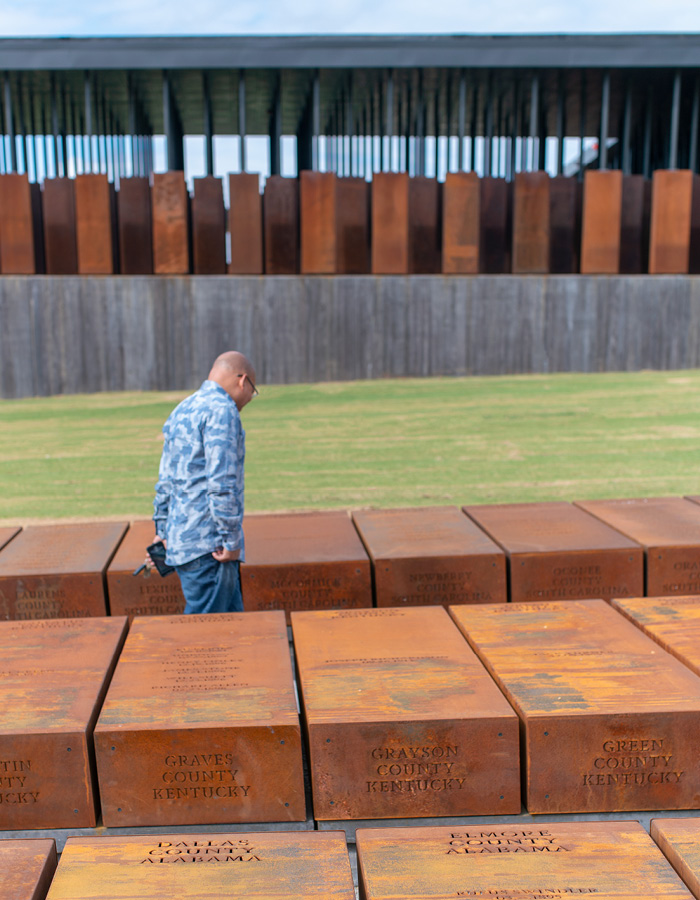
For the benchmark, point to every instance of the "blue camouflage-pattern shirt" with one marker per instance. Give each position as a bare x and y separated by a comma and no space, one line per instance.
199,495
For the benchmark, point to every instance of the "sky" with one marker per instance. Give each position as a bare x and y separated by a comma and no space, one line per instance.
66,18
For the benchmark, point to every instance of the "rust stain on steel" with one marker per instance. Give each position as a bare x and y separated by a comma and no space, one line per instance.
402,718
53,676
26,868
520,861
558,552
57,571
279,865
431,555
146,594
304,561
668,528
679,841
7,532
610,721
200,724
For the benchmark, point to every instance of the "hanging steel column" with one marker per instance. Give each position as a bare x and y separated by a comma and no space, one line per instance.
388,124
695,114
462,119
275,130
675,122
627,132
241,120
534,121
315,122
208,126
604,117
87,137
561,125
172,128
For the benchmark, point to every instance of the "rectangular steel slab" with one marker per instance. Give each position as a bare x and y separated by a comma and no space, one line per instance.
496,225
671,212
57,571
673,622
531,223
58,204
352,223
17,255
557,552
200,724
564,218
266,865
390,232
281,225
304,561
93,224
53,678
402,719
208,227
634,228
26,868
424,220
135,232
679,841
601,222
610,721
245,224
606,860
170,224
668,528
319,243
461,215
146,594
431,555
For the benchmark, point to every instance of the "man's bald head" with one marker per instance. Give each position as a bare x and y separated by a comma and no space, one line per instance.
236,375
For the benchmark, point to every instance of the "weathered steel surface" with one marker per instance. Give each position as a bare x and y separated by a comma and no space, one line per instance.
208,227
135,232
402,718
634,228
424,220
352,222
200,724
610,721
7,532
279,865
60,248
57,571
26,868
668,528
531,223
169,217
694,249
557,552
679,841
281,222
54,675
550,859
17,255
304,561
601,223
461,217
431,555
564,225
671,207
93,224
390,223
319,207
673,622
146,594
245,224
496,225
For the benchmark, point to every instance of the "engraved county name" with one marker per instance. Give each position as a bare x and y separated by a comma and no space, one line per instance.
631,762
198,776
189,851
415,769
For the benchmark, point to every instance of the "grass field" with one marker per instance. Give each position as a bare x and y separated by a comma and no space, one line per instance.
372,443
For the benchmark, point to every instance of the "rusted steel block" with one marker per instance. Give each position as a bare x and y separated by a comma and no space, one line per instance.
54,676
679,841
279,864
146,594
17,250
496,225
352,222
609,720
565,232
601,222
673,622
208,227
94,211
200,724
135,230
304,561
26,868
245,224
390,223
7,532
58,205
319,212
402,718
668,528
531,223
424,233
634,229
431,555
521,860
170,222
57,571
281,223
671,212
557,552
461,217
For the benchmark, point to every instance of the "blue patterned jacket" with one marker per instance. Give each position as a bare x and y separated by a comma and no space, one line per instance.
199,495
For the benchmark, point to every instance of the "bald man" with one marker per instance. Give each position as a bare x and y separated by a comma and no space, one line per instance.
199,495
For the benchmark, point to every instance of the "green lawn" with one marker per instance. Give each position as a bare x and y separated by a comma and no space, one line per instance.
372,443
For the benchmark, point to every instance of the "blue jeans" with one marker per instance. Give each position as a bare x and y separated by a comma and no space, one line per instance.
210,586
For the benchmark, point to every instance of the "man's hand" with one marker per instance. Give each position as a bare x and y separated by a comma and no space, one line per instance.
221,555
148,562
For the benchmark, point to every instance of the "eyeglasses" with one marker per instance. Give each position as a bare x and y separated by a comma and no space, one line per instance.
245,375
